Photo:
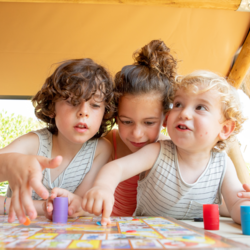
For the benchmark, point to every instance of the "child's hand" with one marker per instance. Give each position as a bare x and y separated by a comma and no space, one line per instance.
245,194
73,199
25,173
99,200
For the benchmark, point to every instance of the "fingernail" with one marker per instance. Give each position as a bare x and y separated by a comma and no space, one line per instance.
104,223
31,214
239,194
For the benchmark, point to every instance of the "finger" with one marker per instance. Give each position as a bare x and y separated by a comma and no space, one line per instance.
59,192
107,210
89,205
46,214
16,203
35,181
84,202
74,206
49,163
27,203
244,195
49,207
97,207
246,187
12,214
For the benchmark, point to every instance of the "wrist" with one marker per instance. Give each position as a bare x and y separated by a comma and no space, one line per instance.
106,186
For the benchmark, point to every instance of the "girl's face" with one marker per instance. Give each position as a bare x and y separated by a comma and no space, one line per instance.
77,124
140,119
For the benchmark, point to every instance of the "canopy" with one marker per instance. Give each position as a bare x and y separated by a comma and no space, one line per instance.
36,35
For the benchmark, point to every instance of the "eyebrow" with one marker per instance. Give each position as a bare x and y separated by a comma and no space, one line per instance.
147,118
198,100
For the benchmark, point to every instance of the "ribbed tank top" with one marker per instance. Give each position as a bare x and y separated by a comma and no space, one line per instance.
126,191
73,175
164,192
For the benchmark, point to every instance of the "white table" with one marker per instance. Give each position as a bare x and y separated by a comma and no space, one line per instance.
228,229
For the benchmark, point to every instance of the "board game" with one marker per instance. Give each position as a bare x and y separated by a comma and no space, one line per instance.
123,233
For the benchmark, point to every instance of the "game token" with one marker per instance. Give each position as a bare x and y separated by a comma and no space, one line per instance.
136,219
131,231
27,222
198,219
60,210
98,223
211,216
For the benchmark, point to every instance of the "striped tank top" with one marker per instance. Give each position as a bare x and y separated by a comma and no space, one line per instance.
125,193
164,193
73,175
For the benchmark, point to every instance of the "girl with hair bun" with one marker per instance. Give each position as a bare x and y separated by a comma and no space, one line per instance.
140,97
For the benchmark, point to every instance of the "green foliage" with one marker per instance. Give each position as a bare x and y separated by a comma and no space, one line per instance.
164,131
11,127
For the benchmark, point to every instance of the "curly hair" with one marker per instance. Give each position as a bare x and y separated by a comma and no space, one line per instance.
201,81
77,79
154,70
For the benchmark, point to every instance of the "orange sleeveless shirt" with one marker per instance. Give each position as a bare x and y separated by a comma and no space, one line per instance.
125,193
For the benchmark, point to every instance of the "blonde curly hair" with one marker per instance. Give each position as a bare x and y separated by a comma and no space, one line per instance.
201,81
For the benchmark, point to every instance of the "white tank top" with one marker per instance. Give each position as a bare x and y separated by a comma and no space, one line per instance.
73,175
164,193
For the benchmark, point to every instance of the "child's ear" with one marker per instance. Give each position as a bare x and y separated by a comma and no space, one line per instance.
52,116
164,124
227,129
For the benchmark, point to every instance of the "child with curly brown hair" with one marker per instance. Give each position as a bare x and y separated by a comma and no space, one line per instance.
76,104
189,170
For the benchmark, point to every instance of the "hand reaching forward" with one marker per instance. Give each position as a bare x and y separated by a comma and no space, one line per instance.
73,200
24,172
245,194
99,200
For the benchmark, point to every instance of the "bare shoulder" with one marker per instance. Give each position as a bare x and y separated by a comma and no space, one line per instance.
109,136
103,147
229,164
230,173
25,144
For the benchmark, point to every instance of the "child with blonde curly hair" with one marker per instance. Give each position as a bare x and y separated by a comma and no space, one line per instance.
190,170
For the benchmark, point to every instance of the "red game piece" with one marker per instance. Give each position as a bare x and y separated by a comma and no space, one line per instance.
131,231
135,219
211,216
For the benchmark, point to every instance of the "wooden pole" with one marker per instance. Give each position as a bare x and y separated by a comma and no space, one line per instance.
204,4
241,65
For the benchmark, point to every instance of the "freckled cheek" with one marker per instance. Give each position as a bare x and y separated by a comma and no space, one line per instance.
204,135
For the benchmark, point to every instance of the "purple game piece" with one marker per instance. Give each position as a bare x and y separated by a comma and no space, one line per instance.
60,210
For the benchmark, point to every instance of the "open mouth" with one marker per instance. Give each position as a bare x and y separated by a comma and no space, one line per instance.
81,127
182,127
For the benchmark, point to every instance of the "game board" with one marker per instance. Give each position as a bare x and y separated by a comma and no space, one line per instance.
123,233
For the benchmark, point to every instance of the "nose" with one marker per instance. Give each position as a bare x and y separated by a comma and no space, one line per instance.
83,110
185,114
137,131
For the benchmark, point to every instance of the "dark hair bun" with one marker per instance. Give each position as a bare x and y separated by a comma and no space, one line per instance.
156,55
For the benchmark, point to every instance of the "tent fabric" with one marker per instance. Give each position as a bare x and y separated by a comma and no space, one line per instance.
36,35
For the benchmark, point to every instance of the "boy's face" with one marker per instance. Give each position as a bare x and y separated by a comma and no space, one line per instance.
196,120
79,123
